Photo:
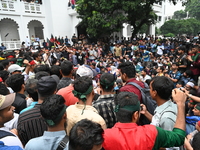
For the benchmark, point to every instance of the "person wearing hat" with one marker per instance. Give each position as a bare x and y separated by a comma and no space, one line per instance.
53,110
7,114
105,102
127,134
30,123
83,90
15,69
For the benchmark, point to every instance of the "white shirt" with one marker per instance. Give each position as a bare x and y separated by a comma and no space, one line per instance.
160,50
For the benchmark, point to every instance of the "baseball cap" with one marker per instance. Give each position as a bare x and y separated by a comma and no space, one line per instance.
14,67
85,70
47,84
7,100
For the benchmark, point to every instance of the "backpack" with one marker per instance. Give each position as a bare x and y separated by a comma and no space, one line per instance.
146,97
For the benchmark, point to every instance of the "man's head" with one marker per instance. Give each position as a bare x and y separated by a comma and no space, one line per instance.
127,107
144,72
83,87
195,49
107,82
181,50
196,141
31,88
188,74
6,110
16,82
196,109
47,86
86,135
127,70
53,110
161,87
174,66
15,69
66,68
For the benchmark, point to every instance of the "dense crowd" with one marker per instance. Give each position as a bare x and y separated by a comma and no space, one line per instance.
140,93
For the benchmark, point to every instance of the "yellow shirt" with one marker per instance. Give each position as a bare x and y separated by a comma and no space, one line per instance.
74,114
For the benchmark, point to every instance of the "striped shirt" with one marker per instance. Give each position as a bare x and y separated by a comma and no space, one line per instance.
31,124
105,106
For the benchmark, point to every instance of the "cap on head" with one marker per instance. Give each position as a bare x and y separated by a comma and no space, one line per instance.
14,67
47,84
7,100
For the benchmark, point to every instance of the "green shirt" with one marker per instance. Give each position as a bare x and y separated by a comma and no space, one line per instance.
166,139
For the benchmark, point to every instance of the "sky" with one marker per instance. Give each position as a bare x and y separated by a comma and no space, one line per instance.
171,8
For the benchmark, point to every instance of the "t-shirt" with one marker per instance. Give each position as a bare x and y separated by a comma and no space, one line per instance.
80,58
160,50
146,56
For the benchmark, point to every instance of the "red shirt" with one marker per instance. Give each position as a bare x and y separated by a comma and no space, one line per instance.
130,136
133,89
67,94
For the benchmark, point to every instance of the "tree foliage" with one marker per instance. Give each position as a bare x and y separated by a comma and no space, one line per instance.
101,17
180,14
193,8
178,27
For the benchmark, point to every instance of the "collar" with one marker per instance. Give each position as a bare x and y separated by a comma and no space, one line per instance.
21,95
130,80
53,134
125,125
105,96
162,107
87,107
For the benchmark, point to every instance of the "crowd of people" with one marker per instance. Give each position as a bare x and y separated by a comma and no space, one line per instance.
139,94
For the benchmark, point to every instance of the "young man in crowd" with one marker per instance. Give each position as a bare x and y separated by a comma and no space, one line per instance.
127,71
6,114
83,90
30,123
16,82
53,110
146,137
66,69
105,102
90,139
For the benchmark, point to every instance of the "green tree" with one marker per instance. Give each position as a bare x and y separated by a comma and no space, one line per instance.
187,26
180,14
193,8
103,17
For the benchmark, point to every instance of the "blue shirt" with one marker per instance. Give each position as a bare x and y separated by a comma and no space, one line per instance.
28,108
146,56
49,141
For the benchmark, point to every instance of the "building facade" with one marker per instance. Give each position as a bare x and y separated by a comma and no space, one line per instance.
20,20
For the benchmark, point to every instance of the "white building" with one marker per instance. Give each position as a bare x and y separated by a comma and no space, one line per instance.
19,19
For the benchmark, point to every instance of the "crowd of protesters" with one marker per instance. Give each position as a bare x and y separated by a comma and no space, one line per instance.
78,95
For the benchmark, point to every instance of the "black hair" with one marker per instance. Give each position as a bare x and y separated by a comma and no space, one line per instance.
123,99
52,107
189,73
163,86
5,63
42,68
85,134
41,74
15,81
196,141
4,75
55,70
3,89
181,83
66,67
183,48
82,84
127,68
35,55
107,81
162,68
1,67
31,88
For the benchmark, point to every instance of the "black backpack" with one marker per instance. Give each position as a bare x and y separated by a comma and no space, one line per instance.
146,98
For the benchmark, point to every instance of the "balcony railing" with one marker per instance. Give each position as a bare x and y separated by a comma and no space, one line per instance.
6,5
20,6
11,45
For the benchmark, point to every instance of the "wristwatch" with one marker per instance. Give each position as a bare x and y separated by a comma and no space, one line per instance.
189,95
